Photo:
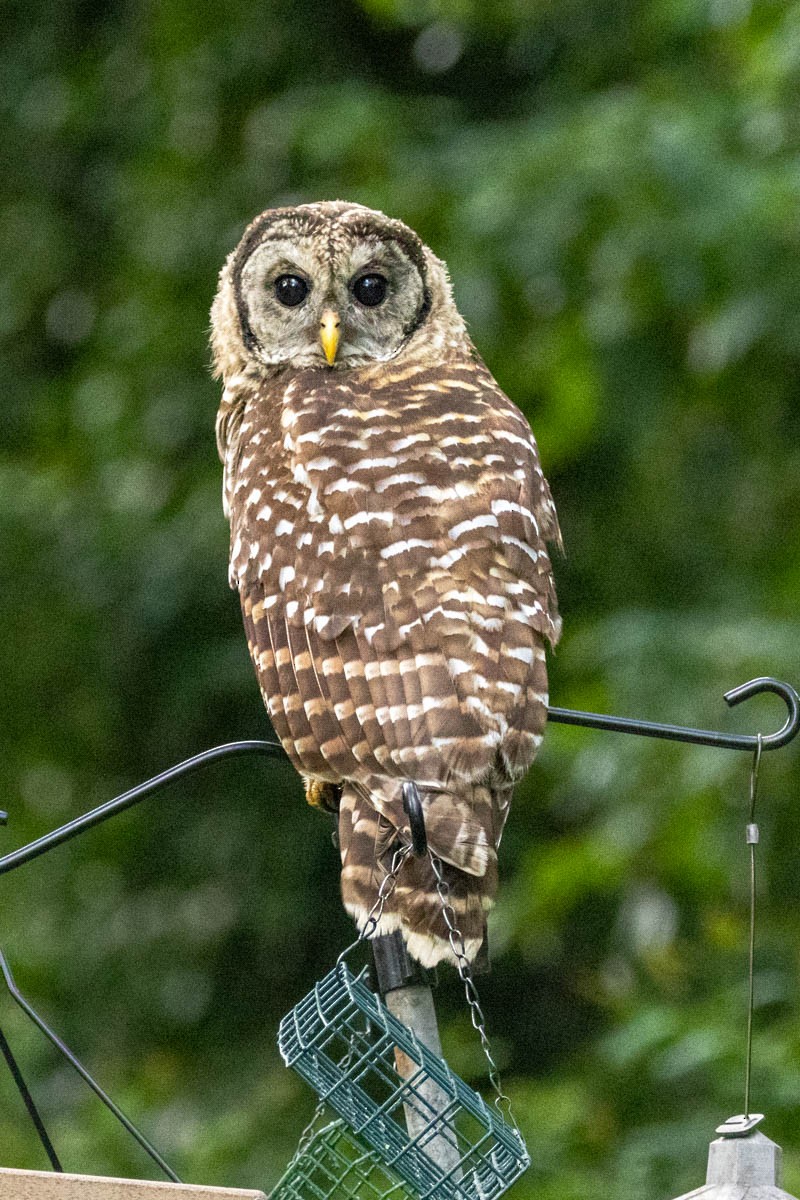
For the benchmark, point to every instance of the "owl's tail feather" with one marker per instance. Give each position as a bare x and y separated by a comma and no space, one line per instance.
367,841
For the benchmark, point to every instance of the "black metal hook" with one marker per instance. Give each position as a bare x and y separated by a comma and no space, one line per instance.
700,737
412,807
765,683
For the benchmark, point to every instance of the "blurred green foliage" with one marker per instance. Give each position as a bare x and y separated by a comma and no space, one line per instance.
615,186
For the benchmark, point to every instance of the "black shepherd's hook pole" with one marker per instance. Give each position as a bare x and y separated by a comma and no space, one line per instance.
84,1074
413,807
29,1103
564,716
55,838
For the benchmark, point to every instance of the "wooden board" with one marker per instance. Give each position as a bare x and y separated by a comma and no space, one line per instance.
48,1185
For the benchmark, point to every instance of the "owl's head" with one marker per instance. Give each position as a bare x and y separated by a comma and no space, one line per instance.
331,285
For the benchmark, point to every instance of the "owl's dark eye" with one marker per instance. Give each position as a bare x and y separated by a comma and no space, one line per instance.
370,290
290,290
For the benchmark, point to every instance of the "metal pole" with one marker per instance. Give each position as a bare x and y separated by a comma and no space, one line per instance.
407,993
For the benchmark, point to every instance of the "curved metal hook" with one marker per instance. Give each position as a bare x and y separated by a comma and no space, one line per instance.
412,807
765,683
701,737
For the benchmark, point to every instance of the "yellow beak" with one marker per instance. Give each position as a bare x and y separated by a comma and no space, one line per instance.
329,334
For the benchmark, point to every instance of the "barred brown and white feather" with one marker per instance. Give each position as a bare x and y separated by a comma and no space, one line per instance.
389,529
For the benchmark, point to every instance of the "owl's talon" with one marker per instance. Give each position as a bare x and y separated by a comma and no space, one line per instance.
324,795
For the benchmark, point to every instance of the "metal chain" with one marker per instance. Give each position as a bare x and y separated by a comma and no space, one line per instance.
387,886
456,940
306,1137
308,1133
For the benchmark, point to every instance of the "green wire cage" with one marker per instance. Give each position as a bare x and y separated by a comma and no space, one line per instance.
343,1041
335,1165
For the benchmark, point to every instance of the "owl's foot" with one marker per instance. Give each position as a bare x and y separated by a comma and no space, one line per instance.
324,795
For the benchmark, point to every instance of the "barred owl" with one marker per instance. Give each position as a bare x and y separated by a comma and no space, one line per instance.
389,528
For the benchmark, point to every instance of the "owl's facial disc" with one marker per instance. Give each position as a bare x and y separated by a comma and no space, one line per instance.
329,298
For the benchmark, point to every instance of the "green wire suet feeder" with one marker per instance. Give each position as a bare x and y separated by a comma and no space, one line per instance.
343,1041
335,1165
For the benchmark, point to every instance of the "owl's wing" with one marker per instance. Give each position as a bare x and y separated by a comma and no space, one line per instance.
396,584
229,439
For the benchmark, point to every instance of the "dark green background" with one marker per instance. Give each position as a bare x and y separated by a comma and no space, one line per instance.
615,187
